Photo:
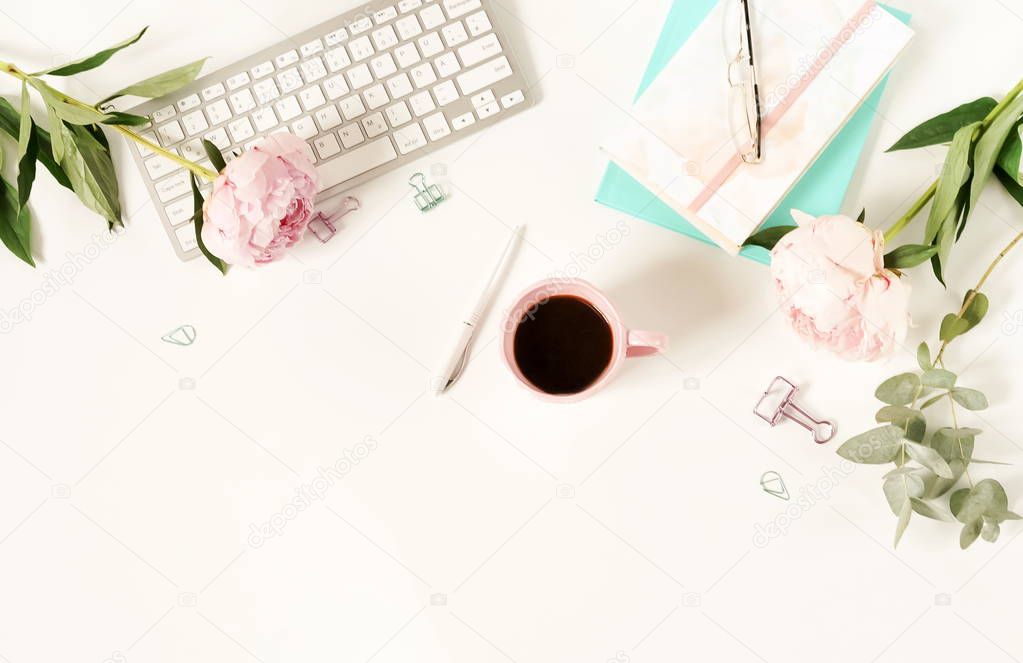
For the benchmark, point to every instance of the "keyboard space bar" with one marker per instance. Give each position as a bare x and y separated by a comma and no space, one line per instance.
356,162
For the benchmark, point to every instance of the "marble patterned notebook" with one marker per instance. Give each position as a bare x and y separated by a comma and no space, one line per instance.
817,63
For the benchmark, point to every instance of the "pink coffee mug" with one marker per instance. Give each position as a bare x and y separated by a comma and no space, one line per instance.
626,342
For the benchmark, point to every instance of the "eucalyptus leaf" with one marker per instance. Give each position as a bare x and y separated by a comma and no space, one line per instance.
923,357
930,459
161,84
899,390
215,156
15,224
875,447
91,171
953,443
63,108
931,401
942,128
935,486
990,531
971,399
951,326
899,488
768,237
976,309
954,175
938,378
990,145
909,255
928,510
900,527
911,421
970,533
91,62
197,221
987,498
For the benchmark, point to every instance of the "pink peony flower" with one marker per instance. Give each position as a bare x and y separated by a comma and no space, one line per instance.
834,288
262,202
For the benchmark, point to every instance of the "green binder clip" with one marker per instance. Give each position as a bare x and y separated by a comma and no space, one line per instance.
773,484
427,196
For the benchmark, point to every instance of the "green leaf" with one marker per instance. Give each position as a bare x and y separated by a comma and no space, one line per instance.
768,237
91,171
1010,185
61,105
911,421
928,510
900,487
862,218
899,390
923,357
931,401
903,522
942,128
10,122
161,84
954,175
990,531
58,136
126,119
938,378
15,224
875,447
909,255
1010,160
25,129
976,309
952,443
971,399
987,498
197,221
970,533
930,459
946,236
990,145
951,326
935,486
93,61
27,168
214,154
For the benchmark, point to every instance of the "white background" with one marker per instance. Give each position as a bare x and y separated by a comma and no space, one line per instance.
126,497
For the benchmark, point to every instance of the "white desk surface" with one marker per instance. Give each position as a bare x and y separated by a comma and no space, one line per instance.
486,525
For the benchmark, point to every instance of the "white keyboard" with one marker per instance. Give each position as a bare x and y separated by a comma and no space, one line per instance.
370,91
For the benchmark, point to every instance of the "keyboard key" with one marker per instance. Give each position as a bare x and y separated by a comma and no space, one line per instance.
479,50
173,187
213,91
383,66
237,81
512,99
359,76
286,59
398,114
482,98
164,113
305,128
158,166
143,150
384,15
399,86
422,103
384,38
266,91
180,211
337,58
218,112
462,121
410,138
311,48
262,69
194,123
430,44
456,8
241,130
352,164
423,75
290,80
408,27
189,102
242,102
407,55
432,17
360,25
447,65
484,75
264,119
352,107
335,37
170,134
478,23
436,126
313,69
376,96
219,138
374,125
193,151
335,87
405,6
311,97
326,146
360,49
488,110
186,237
351,136
455,34
445,93
328,118
288,108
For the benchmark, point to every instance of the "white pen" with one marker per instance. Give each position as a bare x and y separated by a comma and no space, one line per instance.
455,362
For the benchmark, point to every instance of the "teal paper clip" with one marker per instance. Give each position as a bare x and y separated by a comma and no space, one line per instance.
773,484
183,335
427,196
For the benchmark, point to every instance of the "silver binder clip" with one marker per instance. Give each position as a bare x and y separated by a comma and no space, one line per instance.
323,225
822,429
427,196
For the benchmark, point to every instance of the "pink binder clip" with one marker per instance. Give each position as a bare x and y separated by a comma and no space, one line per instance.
323,225
822,429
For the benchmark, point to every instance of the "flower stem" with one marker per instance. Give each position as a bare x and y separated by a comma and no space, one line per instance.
205,173
926,198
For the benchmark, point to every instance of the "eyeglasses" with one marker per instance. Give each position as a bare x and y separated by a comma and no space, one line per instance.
744,106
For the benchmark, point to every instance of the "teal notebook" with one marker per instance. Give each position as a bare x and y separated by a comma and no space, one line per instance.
820,191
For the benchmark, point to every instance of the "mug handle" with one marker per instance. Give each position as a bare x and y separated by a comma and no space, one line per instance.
644,343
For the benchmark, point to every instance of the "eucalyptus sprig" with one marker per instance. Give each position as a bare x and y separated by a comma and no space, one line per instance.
75,150
929,466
